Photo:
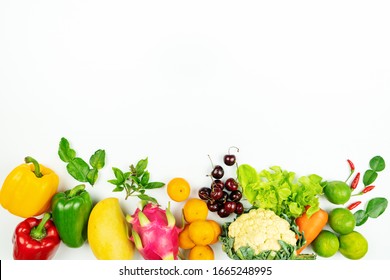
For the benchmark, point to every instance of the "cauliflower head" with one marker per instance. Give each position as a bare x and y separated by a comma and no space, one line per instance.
261,230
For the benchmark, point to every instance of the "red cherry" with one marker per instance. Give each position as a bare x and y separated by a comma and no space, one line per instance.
217,172
231,184
230,206
239,208
229,160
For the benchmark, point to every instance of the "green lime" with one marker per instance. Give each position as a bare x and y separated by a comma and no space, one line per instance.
326,244
353,245
341,220
337,192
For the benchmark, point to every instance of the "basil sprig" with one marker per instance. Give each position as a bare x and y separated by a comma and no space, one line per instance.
135,182
78,168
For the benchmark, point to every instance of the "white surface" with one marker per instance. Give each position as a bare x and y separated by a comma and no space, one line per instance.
300,85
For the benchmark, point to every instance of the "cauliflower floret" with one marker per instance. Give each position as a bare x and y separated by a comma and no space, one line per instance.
261,229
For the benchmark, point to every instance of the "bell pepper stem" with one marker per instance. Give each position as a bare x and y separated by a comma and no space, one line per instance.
39,232
37,168
76,190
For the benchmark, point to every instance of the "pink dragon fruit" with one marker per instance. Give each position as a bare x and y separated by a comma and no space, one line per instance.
154,232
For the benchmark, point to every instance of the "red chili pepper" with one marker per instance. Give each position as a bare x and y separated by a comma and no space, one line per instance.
354,205
355,181
351,165
36,239
367,189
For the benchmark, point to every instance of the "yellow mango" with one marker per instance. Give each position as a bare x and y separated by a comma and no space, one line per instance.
108,233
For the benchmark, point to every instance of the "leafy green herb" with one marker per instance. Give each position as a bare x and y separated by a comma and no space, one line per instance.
280,191
377,164
135,182
375,207
78,168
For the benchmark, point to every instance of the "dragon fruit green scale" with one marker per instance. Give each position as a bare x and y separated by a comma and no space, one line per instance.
154,232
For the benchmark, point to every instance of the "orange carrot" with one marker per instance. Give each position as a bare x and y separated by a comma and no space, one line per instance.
312,226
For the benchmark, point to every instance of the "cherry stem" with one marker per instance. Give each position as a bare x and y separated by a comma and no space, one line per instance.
233,147
212,164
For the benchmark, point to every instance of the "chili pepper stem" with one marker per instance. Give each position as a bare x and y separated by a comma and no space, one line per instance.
350,174
365,190
351,167
37,168
39,232
357,194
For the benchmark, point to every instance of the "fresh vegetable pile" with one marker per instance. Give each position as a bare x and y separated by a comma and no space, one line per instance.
268,214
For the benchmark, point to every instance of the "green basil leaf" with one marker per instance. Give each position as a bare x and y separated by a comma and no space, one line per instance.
147,198
360,217
369,177
114,182
141,166
145,178
126,175
118,189
376,207
118,175
78,169
65,153
135,179
97,160
154,185
377,164
92,176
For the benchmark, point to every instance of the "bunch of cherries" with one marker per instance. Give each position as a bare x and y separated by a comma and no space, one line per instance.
223,197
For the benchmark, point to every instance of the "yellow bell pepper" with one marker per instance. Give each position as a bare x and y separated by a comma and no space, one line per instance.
27,191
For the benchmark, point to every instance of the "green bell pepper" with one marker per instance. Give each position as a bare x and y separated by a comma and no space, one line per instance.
70,211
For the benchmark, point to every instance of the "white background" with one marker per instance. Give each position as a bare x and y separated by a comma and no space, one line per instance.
291,83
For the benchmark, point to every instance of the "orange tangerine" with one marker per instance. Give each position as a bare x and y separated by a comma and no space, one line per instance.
195,209
217,230
201,232
178,189
185,241
201,252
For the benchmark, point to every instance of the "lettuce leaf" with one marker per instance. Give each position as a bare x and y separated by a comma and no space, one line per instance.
280,190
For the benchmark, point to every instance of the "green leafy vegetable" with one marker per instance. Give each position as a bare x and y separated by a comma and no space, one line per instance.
375,207
280,191
135,182
78,168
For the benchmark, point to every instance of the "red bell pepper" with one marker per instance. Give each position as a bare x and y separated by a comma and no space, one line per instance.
36,239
